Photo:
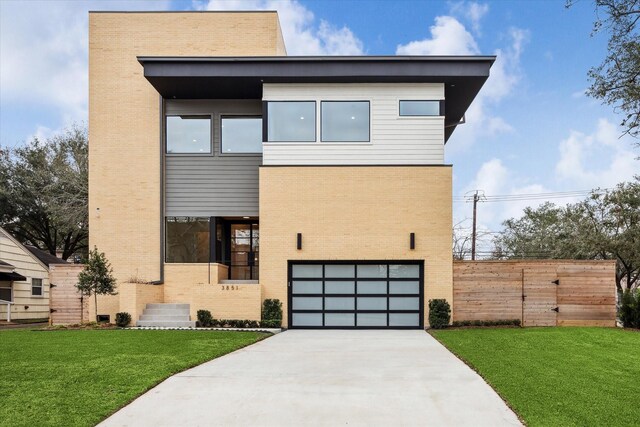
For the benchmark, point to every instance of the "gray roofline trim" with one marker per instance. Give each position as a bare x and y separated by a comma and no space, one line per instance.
360,58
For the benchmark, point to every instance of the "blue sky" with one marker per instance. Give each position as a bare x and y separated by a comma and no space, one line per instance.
531,130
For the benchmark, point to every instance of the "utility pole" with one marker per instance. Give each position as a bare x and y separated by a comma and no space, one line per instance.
473,232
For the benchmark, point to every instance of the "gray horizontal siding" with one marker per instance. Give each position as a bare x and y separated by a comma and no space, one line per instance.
212,185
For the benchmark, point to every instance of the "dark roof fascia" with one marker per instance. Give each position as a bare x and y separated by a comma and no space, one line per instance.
242,77
12,277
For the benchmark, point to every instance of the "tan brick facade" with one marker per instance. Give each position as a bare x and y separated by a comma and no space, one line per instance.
356,213
124,122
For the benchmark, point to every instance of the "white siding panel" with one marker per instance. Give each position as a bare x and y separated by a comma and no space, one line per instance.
394,139
25,305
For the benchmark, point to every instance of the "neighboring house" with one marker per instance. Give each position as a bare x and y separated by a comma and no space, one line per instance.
225,172
24,279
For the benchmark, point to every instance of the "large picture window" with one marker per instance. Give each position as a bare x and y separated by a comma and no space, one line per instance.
241,134
188,134
291,121
187,240
419,108
345,121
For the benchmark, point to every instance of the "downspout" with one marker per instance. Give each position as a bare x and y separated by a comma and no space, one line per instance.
162,165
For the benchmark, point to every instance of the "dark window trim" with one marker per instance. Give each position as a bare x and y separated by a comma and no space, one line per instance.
211,152
347,141
440,107
238,116
265,116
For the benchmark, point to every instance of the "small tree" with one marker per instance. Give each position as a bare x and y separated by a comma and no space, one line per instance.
97,277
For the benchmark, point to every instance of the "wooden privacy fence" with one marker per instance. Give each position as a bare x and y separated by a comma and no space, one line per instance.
538,292
67,305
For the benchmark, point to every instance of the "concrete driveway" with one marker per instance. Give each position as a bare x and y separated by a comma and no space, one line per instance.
325,377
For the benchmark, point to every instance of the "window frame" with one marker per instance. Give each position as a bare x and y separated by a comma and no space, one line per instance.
368,141
211,152
265,122
41,287
440,108
10,290
240,116
166,240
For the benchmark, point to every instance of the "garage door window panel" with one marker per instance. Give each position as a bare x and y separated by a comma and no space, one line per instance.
356,295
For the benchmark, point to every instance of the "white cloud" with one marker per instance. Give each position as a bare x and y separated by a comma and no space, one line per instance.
600,159
472,11
43,54
302,34
448,36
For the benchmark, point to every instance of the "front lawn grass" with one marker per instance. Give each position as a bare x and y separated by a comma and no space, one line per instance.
557,376
79,377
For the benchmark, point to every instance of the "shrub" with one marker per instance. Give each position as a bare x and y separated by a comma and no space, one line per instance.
204,318
270,323
123,319
272,313
629,311
439,313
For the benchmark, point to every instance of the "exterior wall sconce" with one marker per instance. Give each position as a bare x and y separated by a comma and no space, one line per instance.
299,241
412,240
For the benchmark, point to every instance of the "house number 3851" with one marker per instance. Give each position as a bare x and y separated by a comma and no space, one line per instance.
230,287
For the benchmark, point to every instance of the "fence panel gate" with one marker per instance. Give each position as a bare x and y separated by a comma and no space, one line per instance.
540,296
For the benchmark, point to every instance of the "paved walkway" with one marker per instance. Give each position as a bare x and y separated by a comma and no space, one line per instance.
325,377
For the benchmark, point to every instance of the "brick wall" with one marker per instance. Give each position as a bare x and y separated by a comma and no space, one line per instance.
355,213
124,122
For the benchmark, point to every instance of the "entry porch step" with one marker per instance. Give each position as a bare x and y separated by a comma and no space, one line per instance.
239,282
166,316
168,323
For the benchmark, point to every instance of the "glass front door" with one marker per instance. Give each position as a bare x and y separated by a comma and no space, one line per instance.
243,251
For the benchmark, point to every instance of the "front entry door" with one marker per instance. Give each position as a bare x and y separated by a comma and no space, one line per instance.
540,296
243,250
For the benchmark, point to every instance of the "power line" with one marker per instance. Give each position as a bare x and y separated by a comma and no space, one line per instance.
532,196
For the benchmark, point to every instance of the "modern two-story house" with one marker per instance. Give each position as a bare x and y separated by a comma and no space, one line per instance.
224,172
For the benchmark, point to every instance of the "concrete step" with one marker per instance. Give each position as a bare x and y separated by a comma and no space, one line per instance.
168,323
167,312
163,306
162,317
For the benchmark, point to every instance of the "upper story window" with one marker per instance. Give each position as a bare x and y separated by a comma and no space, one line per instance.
291,121
345,121
420,108
36,287
189,134
241,134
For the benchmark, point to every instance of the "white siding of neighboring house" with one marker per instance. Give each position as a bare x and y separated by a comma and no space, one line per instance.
395,140
26,265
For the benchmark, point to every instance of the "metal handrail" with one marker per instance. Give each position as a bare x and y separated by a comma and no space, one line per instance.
9,304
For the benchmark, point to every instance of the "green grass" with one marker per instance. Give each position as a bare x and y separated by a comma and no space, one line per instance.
79,377
557,376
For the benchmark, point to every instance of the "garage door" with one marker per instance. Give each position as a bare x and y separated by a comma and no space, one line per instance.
365,295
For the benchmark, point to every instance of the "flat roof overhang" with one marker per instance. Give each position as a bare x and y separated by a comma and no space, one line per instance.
243,77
